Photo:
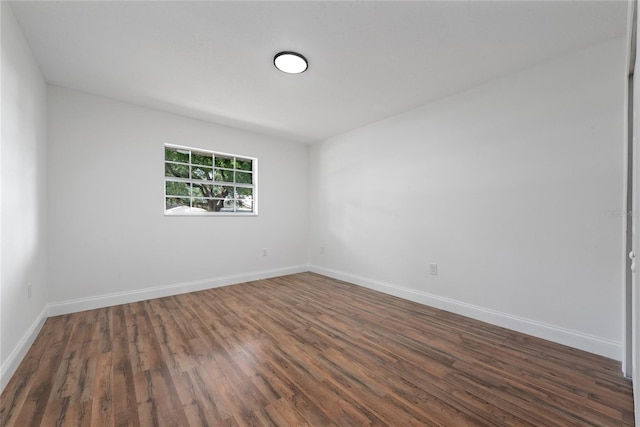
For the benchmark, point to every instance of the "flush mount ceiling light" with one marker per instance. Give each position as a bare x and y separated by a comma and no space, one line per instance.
290,62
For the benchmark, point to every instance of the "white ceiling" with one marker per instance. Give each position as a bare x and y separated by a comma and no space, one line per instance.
367,60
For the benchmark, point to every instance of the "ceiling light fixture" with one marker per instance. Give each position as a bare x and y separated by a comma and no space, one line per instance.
290,62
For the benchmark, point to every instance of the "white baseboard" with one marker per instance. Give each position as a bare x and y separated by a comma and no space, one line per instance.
100,301
579,340
9,367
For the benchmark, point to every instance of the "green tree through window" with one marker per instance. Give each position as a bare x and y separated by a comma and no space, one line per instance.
206,182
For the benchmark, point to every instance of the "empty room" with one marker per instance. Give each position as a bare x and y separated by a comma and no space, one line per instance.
338,213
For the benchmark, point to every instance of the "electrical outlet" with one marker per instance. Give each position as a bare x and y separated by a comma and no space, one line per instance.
29,290
264,252
433,269
321,250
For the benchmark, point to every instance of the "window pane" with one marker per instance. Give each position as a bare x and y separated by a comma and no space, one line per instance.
224,175
228,206
205,159
243,164
202,205
176,204
243,192
245,206
224,162
203,190
245,199
176,155
218,204
217,191
201,172
178,171
244,177
174,188
226,192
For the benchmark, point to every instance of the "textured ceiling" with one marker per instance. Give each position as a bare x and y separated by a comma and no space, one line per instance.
368,60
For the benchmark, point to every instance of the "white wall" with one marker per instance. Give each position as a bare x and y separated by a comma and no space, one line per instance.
513,189
109,240
23,198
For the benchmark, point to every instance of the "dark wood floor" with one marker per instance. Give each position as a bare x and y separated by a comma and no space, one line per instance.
303,350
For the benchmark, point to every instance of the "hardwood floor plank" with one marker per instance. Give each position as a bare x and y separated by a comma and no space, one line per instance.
158,402
284,414
303,350
172,338
48,359
78,415
75,376
202,404
125,408
18,388
102,408
55,412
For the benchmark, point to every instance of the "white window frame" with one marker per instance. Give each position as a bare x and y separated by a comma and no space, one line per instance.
190,211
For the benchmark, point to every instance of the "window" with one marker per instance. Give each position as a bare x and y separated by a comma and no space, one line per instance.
201,182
